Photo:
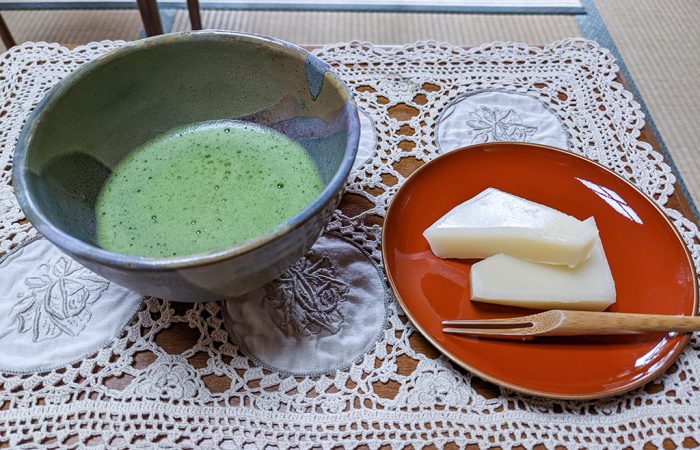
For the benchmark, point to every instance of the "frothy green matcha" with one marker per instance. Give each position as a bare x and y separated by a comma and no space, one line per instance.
203,187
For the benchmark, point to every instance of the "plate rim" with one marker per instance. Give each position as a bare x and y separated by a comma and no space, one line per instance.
673,355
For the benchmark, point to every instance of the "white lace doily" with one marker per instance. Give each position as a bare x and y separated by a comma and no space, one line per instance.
497,116
139,390
56,311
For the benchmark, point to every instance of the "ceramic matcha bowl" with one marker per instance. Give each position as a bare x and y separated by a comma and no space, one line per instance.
107,108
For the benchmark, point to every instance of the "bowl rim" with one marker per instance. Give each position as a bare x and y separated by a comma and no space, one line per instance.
89,252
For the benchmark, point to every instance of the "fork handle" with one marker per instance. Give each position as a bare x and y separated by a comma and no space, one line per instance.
575,323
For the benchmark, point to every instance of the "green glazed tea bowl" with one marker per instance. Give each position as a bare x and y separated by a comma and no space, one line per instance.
110,106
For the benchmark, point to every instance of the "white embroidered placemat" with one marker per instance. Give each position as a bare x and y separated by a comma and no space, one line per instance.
289,395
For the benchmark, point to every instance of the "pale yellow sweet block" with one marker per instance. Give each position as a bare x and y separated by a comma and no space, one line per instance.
505,280
496,222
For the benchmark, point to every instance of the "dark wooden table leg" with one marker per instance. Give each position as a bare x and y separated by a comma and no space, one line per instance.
195,18
150,16
5,34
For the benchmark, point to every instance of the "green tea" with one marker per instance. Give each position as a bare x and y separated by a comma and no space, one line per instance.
203,187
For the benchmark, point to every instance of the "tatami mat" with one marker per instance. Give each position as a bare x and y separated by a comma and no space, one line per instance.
659,41
73,26
316,27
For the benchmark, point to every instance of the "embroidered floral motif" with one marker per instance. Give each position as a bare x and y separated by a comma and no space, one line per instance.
308,298
498,125
58,300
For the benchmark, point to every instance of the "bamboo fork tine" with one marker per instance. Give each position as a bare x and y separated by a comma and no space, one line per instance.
505,321
517,333
572,323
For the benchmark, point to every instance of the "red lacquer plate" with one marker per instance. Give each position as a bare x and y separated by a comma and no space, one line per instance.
651,266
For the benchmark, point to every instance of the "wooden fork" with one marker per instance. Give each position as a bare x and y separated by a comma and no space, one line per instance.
571,323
